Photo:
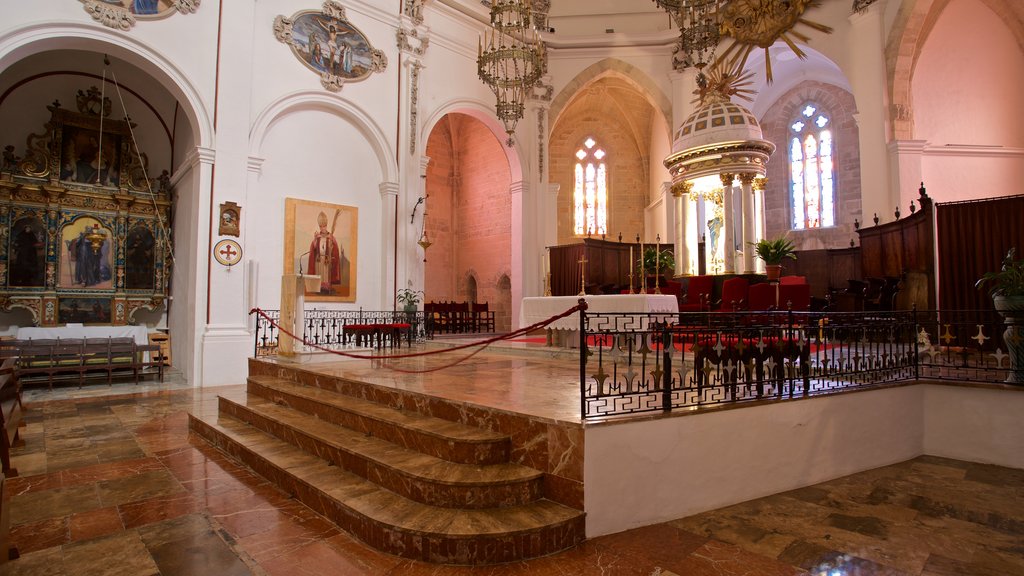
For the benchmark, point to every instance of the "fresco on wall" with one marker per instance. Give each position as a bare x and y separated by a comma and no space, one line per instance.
122,14
320,239
86,259
329,45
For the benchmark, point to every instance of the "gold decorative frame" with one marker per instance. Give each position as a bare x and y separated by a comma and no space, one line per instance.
122,14
300,229
328,44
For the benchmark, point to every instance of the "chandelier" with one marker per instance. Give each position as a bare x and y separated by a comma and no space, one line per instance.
699,27
750,23
511,59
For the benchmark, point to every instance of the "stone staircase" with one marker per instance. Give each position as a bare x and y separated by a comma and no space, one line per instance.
406,483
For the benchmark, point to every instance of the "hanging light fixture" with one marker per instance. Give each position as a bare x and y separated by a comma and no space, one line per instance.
511,59
699,29
750,23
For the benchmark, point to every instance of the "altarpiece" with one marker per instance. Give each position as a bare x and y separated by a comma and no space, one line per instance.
83,228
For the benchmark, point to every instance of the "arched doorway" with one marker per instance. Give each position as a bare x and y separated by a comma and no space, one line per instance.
469,212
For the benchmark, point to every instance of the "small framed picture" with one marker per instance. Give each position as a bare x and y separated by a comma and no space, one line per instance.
230,214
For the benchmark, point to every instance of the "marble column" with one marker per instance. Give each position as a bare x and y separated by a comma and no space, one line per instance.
759,186
747,193
728,226
680,194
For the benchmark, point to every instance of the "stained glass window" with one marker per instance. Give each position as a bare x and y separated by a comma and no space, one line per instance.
590,192
811,170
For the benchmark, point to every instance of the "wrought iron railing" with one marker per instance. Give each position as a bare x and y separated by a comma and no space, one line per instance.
333,329
633,363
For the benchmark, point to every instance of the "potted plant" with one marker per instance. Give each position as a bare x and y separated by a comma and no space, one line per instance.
654,262
409,299
773,252
1006,286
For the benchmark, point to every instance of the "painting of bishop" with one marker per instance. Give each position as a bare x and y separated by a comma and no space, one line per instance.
320,240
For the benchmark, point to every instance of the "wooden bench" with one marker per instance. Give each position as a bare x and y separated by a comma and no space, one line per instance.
11,415
81,356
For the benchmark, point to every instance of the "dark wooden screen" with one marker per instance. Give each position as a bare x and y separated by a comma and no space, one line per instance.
974,237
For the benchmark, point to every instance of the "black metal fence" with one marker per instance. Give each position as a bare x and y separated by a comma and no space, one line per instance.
334,329
634,363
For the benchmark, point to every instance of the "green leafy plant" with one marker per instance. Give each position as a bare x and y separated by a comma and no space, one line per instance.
408,297
1008,281
656,262
774,251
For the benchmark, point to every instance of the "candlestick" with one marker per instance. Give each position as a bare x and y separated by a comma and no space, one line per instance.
643,270
631,269
583,275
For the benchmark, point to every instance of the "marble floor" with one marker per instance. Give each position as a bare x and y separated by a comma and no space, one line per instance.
112,483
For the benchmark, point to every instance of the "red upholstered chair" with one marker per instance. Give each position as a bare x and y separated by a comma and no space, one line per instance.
734,295
698,294
796,297
761,296
793,280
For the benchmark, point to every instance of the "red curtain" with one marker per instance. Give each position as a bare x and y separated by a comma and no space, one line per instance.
974,237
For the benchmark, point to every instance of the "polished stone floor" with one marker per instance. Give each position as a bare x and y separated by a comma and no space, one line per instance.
111,483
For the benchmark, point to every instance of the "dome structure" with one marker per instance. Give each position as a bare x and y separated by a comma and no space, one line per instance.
720,136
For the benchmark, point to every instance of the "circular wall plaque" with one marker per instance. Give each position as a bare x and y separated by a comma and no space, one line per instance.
228,252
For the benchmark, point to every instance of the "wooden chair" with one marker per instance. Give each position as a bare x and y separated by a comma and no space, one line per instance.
35,359
67,358
483,317
698,294
122,355
148,356
761,297
734,295
796,297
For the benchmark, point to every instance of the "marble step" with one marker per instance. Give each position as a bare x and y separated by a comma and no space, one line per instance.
441,438
390,522
414,475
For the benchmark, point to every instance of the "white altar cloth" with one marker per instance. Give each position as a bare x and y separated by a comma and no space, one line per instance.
536,309
139,333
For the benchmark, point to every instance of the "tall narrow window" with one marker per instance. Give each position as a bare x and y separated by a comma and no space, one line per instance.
590,193
810,169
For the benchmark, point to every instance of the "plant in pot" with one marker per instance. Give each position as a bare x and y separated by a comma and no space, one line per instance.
1006,286
773,252
655,262
409,299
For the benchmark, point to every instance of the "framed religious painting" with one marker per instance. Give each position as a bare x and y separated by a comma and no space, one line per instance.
76,310
86,255
321,239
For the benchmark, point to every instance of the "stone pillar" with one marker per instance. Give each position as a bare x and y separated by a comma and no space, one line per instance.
760,185
747,192
728,226
388,225
867,74
680,194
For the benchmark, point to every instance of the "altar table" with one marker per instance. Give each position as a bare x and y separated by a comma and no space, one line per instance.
138,333
536,309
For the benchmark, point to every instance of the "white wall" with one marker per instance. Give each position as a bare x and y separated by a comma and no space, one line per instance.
975,424
676,466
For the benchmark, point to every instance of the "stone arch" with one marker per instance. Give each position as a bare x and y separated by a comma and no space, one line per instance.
486,116
331,103
914,22
842,108
471,287
20,43
612,66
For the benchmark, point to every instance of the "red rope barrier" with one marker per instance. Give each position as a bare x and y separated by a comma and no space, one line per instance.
582,305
